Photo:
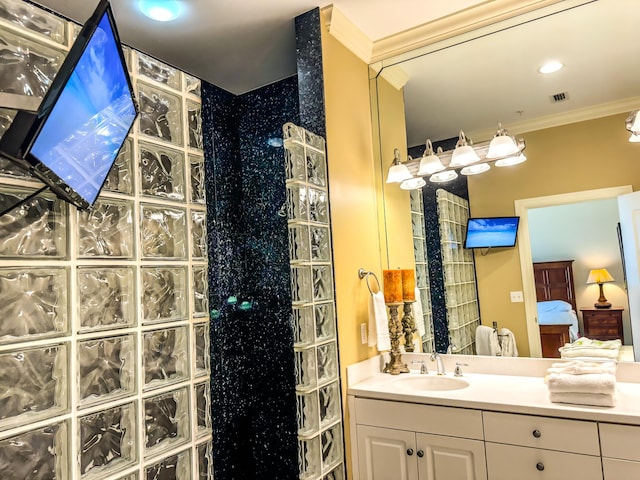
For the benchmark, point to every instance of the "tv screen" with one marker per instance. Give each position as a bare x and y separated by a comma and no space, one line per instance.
491,232
84,118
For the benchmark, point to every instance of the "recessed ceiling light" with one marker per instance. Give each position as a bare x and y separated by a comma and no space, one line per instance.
550,67
160,10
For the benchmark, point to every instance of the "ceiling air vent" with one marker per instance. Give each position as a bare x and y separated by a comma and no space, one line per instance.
559,97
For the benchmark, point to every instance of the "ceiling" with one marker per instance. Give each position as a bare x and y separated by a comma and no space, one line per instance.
241,45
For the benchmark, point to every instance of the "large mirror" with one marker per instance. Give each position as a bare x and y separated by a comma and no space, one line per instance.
579,160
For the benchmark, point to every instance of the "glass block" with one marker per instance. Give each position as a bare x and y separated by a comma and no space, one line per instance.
297,206
198,234
331,446
200,289
201,337
75,31
131,476
175,467
197,179
36,454
157,71
309,458
163,232
34,19
335,474
327,363
163,293
205,462
107,441
299,249
6,119
120,178
293,132
161,172
303,329
318,206
160,114
106,230
35,229
203,408
165,357
192,85
194,124
166,421
329,401
316,141
106,368
306,368
307,413
106,297
34,303
128,54
295,166
325,320
301,286
31,68
322,283
418,250
316,167
33,382
320,244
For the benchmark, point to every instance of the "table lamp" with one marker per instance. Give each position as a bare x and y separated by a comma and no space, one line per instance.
600,276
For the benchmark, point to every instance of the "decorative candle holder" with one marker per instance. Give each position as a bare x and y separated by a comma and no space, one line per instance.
408,327
395,365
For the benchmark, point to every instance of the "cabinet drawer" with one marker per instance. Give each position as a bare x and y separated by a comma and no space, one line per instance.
542,432
620,469
508,462
454,422
620,441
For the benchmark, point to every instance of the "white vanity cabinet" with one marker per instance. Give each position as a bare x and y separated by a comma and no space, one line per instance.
398,441
620,452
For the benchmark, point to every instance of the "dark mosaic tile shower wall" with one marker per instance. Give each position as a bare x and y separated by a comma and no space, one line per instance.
253,380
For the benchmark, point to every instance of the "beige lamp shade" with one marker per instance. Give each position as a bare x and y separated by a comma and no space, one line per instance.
600,275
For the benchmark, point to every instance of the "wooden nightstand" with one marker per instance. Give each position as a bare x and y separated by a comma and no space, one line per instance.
602,323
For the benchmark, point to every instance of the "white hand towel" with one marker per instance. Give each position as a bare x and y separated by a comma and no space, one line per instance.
587,352
508,343
487,341
585,342
577,367
378,323
418,316
593,399
587,383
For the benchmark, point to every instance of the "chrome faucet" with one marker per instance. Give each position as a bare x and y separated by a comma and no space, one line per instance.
435,356
423,366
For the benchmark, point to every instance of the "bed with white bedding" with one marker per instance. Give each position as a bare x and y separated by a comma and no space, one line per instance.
559,312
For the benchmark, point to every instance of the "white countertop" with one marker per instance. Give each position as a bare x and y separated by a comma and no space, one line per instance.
518,393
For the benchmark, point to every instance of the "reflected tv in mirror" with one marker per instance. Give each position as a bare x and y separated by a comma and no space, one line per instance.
490,232
74,138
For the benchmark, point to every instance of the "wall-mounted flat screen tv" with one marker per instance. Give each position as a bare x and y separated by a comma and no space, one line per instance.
491,232
74,138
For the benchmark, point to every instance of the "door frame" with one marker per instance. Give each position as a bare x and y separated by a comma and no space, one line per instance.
524,246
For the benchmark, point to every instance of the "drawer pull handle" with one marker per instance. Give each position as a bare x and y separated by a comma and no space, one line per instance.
540,466
409,451
421,453
537,433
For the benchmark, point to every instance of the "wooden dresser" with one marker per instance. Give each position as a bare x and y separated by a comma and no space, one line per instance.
602,323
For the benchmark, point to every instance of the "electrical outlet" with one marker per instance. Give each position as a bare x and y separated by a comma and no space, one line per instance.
363,333
516,297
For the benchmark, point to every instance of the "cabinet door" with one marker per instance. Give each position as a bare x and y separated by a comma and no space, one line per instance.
450,458
615,469
386,454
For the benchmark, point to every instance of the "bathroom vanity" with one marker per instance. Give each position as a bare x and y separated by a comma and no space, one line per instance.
495,423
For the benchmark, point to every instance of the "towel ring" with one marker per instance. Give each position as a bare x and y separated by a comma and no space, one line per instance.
362,274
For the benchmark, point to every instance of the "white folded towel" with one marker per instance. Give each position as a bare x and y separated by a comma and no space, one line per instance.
578,367
592,399
585,342
418,315
378,323
587,352
487,341
507,343
587,383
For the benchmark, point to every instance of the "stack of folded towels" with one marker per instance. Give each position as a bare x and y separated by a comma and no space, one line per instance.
591,350
582,383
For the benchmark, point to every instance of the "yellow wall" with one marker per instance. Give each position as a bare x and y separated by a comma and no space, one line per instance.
571,158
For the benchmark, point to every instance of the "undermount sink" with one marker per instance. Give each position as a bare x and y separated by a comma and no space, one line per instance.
431,383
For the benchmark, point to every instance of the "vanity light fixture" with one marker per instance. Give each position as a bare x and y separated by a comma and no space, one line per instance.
398,172
430,162
632,123
634,138
475,169
510,161
464,154
502,144
413,183
445,176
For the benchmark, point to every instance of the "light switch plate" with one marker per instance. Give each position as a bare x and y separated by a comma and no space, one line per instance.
516,297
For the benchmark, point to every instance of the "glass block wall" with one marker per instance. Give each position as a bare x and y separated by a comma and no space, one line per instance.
422,268
461,295
104,334
318,397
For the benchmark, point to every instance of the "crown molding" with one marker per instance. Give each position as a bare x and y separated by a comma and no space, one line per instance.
347,33
396,76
